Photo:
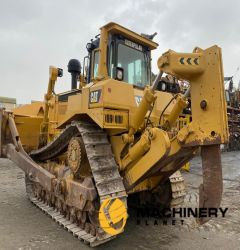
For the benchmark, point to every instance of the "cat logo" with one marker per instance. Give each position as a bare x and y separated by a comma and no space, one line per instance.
94,96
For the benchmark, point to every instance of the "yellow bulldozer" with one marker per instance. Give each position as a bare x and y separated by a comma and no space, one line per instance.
88,152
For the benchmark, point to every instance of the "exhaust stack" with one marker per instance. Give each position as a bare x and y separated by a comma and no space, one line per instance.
74,67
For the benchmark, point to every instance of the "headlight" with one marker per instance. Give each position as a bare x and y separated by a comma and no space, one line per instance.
164,87
119,74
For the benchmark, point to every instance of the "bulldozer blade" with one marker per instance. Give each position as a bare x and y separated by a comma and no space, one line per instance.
210,191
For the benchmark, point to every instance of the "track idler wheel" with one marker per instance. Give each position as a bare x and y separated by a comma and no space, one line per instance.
210,191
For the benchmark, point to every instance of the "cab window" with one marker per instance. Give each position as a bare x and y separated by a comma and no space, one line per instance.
134,64
95,64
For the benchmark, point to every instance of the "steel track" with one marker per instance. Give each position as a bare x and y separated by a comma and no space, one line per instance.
101,160
73,228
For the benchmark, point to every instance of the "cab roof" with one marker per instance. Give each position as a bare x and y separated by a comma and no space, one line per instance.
115,28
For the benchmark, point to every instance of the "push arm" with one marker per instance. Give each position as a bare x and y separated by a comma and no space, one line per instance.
53,74
203,69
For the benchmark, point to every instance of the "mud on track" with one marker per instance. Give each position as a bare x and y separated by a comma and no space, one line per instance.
23,226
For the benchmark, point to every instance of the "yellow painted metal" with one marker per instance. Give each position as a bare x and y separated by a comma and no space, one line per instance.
147,184
34,109
171,119
182,122
160,146
197,68
29,129
186,167
53,74
203,69
113,28
28,119
138,118
145,154
102,69
138,150
117,119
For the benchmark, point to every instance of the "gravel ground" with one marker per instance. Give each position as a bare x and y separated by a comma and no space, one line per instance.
23,226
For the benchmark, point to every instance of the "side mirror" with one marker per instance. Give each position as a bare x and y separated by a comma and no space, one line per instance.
60,72
85,68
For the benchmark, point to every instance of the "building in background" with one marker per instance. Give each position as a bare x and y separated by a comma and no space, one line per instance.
7,103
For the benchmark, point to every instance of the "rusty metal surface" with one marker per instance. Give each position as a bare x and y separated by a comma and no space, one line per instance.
85,188
180,158
15,137
108,182
13,150
78,200
55,147
71,218
99,153
178,189
33,170
3,131
46,179
234,128
210,191
207,141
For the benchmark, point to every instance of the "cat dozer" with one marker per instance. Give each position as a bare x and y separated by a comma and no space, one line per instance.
107,143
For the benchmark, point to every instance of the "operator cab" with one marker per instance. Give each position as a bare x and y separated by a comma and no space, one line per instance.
128,56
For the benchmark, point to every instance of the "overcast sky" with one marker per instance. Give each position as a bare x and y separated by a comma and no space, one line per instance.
36,34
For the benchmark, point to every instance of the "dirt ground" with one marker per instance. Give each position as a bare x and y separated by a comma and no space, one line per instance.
23,226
